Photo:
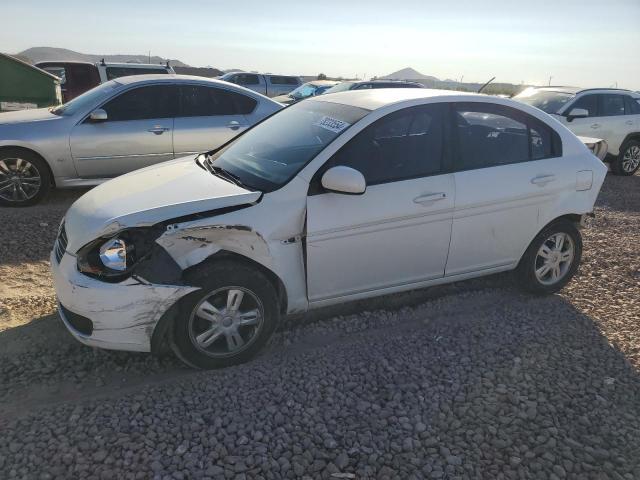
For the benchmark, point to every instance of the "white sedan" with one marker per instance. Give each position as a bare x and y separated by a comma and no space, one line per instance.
338,198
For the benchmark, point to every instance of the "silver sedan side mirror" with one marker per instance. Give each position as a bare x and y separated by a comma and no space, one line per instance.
343,179
577,113
98,115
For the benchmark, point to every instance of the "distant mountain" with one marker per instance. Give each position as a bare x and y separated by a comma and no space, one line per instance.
44,54
409,74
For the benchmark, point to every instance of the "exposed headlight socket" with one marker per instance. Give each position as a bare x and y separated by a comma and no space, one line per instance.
113,254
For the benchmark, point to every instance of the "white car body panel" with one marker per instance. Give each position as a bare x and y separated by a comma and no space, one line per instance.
326,248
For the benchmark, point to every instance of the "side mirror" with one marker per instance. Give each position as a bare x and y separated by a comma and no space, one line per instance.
343,179
577,113
98,115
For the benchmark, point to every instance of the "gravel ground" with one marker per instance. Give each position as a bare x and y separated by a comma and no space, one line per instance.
471,380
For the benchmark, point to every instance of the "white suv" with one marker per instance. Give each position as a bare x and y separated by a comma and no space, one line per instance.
607,113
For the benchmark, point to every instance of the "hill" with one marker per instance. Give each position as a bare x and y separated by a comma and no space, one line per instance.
409,74
42,54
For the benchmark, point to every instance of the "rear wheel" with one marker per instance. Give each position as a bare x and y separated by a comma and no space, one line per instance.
229,320
551,259
24,178
628,160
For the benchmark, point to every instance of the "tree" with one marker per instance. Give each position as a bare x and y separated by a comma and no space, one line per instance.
322,76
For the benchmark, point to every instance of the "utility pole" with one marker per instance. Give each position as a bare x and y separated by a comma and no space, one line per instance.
149,56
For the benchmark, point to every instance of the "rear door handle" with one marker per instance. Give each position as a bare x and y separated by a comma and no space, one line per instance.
158,130
542,180
430,197
595,125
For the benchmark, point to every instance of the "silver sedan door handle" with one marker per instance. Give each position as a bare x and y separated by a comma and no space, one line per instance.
430,197
595,125
158,130
629,122
542,180
233,125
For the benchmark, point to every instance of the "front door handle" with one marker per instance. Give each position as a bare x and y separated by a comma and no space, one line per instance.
629,122
542,180
595,125
430,197
158,130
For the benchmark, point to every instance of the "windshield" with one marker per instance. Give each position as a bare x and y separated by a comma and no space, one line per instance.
87,100
341,87
304,91
545,100
270,154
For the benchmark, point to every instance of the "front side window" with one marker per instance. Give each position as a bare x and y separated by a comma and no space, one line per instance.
341,87
270,154
142,103
246,79
491,135
403,145
200,101
282,80
89,99
588,103
116,72
611,105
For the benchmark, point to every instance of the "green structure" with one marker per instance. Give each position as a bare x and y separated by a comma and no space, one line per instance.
24,86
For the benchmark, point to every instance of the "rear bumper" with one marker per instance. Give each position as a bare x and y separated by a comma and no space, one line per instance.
122,315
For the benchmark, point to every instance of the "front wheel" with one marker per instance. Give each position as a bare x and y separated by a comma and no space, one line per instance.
229,319
551,259
628,160
24,178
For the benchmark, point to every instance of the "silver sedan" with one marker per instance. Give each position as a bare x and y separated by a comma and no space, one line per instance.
117,127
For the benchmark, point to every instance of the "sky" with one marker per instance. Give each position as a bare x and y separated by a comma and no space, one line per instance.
587,43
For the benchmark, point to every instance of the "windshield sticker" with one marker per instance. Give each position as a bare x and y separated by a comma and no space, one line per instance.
332,124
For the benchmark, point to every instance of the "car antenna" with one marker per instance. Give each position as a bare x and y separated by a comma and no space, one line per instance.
483,86
102,62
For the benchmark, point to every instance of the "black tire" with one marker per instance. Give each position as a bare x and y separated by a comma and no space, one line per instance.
33,193
530,261
620,166
215,277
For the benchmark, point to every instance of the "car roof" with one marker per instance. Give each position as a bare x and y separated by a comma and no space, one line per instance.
323,82
132,65
379,97
577,90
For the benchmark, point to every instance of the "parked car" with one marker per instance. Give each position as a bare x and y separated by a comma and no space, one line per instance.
79,77
266,84
337,198
117,127
369,84
607,113
306,90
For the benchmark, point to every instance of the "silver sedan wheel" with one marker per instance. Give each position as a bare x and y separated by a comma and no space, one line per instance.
19,180
226,322
631,159
554,258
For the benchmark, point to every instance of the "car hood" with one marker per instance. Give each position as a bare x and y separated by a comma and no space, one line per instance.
148,196
31,115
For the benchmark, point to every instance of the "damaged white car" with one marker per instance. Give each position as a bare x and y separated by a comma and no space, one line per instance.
337,198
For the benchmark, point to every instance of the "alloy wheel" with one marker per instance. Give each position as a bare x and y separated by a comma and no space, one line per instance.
631,159
226,321
554,258
20,180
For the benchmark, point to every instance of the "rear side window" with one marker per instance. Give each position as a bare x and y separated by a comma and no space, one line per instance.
588,103
611,105
157,101
491,135
632,105
200,101
246,79
403,145
116,72
282,80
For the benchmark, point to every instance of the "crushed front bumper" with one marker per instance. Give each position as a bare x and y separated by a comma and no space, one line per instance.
123,315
